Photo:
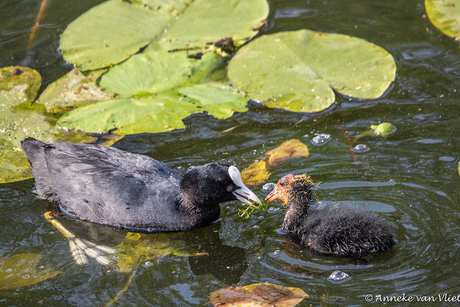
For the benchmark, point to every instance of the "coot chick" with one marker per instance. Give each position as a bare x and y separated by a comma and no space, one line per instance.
341,231
112,187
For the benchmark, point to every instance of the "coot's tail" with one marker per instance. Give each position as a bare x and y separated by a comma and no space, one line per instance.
35,153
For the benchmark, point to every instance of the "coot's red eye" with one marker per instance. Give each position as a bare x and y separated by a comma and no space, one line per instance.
223,181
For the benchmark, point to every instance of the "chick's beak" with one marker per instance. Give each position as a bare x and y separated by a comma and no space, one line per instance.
243,194
274,194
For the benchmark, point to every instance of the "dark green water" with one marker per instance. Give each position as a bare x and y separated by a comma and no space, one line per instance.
409,178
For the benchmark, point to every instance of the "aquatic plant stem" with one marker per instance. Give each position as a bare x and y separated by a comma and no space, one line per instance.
33,34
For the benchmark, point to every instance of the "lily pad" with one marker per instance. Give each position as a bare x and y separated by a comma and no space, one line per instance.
444,15
163,112
114,30
72,90
155,71
17,85
219,100
259,172
111,32
262,294
294,70
207,21
383,129
22,270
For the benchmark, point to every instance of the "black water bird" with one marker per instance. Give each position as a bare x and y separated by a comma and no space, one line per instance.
344,232
112,187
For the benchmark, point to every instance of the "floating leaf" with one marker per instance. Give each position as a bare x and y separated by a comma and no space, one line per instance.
259,172
294,70
444,15
17,85
262,294
74,89
22,270
111,32
159,113
207,21
219,100
156,71
383,129
96,39
163,112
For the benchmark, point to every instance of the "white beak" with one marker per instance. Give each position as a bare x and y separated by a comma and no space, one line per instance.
243,194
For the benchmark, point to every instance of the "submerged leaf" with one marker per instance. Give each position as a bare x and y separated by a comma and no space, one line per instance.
22,270
444,15
17,85
259,172
294,71
73,89
262,294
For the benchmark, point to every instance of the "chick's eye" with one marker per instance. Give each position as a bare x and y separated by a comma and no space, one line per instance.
281,183
223,181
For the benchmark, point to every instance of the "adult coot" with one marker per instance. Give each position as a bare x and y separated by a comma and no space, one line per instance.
342,231
112,187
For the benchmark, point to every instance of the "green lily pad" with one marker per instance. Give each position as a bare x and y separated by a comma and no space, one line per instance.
294,70
383,129
114,30
111,32
22,270
219,100
156,71
18,85
163,112
207,21
444,15
74,89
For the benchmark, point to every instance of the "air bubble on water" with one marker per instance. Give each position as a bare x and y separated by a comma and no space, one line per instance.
41,267
26,276
116,257
9,270
360,148
147,264
268,187
321,139
338,276
276,252
273,209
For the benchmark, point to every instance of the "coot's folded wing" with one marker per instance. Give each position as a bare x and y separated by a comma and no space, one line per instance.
109,186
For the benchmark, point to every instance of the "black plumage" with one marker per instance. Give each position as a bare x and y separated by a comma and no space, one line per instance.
112,187
341,231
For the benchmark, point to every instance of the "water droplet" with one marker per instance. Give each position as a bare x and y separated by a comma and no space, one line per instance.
321,139
276,252
41,267
360,148
273,209
9,270
147,264
116,257
268,187
26,276
338,276
256,226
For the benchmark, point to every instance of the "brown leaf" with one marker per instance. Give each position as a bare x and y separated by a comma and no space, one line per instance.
258,295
